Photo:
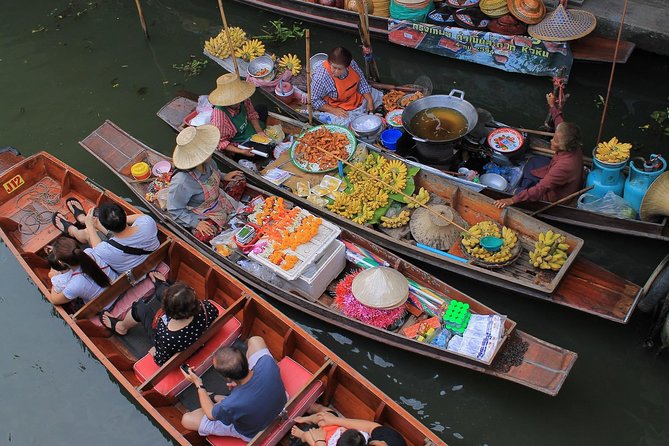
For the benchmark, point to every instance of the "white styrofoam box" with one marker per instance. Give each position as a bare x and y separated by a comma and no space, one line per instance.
330,264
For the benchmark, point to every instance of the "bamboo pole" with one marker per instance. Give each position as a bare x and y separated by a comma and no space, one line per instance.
371,69
308,63
141,20
227,34
561,200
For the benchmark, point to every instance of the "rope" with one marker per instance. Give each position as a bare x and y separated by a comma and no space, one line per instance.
43,194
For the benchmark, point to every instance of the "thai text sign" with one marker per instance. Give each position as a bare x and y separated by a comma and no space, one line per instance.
517,54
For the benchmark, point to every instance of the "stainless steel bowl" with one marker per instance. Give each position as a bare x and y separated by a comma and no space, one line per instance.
494,181
366,125
260,63
317,59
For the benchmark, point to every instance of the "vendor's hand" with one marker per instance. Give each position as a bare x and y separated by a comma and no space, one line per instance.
504,202
235,174
340,112
240,151
90,219
206,228
550,99
262,133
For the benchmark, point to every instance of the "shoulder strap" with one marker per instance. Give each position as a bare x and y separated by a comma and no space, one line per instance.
128,249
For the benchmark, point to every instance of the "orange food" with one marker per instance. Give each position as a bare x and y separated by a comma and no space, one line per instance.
322,146
391,99
406,100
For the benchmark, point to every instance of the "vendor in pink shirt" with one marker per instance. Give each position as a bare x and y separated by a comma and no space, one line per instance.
563,175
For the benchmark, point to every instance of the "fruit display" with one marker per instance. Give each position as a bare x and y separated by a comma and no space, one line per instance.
218,46
550,251
291,63
471,242
250,50
397,221
613,151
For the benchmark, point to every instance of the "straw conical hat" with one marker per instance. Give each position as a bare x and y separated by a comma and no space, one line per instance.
230,90
380,287
195,145
656,201
428,229
564,24
527,11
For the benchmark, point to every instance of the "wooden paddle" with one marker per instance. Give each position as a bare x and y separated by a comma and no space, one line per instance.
227,34
561,200
141,20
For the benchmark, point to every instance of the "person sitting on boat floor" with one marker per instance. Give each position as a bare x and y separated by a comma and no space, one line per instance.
75,272
174,318
234,115
130,238
339,90
257,394
324,428
194,198
552,179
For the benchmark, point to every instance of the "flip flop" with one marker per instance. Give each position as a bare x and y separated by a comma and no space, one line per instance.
113,321
76,211
57,216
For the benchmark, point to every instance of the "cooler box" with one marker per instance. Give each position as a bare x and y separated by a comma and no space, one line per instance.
316,279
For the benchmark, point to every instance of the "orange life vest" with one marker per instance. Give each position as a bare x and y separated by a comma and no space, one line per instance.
348,97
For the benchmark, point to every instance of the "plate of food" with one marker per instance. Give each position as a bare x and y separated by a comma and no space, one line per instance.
394,118
319,149
505,140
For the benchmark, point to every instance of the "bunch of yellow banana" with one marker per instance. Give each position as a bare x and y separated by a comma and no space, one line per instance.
510,237
365,215
292,63
218,46
345,205
396,221
422,197
550,251
471,241
394,173
613,151
250,50
501,256
481,229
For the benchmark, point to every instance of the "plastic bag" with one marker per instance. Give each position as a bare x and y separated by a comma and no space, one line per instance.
609,204
161,196
203,104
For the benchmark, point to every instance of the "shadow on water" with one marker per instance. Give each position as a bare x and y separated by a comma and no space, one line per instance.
62,77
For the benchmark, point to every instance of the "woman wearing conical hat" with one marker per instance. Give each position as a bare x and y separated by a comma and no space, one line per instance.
234,115
195,198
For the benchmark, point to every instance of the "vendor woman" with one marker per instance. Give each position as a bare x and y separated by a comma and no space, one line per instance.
234,114
562,175
194,197
340,91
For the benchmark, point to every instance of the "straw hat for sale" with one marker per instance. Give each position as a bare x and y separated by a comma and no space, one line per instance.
428,229
527,11
230,90
507,25
564,24
656,201
494,8
195,145
380,287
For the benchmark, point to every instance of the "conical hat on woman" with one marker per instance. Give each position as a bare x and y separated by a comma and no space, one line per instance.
195,145
230,90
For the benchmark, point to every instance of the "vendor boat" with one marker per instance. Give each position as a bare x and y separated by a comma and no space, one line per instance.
612,297
309,370
542,367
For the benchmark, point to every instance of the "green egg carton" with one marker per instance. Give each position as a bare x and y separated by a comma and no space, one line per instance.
457,315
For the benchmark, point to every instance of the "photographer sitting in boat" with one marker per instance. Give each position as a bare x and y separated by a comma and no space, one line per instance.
194,197
75,272
174,318
555,178
234,115
340,91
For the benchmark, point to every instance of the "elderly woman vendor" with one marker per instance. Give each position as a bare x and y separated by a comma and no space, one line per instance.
234,114
339,90
559,177
194,197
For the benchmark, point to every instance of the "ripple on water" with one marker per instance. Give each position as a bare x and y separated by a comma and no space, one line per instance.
437,427
413,403
380,361
458,435
343,340
456,388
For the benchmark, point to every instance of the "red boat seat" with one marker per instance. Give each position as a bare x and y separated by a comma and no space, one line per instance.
294,377
143,289
174,383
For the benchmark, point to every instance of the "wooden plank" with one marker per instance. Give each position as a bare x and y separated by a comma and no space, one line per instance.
601,49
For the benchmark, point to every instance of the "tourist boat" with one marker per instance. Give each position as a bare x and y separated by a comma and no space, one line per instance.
542,366
39,185
612,297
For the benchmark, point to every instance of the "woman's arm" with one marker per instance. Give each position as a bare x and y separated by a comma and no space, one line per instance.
557,175
329,419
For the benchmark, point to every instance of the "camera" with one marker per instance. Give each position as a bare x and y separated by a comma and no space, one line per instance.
96,212
185,368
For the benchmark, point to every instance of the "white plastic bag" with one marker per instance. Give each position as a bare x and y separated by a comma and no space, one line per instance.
610,204
161,196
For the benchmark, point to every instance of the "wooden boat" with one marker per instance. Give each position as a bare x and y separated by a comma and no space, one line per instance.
543,366
590,48
612,298
309,369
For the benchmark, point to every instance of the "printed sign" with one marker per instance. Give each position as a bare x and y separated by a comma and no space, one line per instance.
516,54
13,184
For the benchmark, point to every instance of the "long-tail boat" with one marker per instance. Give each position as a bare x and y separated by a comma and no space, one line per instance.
580,284
39,185
542,366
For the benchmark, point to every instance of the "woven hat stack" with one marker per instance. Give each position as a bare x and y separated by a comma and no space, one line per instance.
381,7
564,24
507,25
230,90
195,145
494,8
380,287
527,11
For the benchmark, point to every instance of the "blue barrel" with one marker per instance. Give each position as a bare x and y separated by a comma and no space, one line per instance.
605,177
639,181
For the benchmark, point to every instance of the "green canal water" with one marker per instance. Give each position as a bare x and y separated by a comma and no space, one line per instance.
66,67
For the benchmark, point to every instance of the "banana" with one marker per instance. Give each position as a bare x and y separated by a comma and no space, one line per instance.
613,151
550,251
218,46
250,50
422,197
397,221
291,62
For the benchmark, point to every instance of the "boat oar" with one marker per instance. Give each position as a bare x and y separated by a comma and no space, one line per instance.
141,20
561,200
227,34
308,63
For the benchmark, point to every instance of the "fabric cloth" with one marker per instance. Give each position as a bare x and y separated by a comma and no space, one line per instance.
214,207
329,118
252,406
74,283
244,128
322,84
206,238
534,163
145,237
225,125
387,434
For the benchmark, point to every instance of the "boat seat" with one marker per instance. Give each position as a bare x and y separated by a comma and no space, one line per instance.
140,291
175,382
294,377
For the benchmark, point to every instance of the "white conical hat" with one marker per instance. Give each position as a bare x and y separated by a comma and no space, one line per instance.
195,145
380,287
563,24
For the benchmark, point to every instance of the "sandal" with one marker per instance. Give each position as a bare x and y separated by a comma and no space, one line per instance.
112,322
76,208
56,218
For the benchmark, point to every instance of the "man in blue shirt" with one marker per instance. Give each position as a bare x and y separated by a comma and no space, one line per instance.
257,394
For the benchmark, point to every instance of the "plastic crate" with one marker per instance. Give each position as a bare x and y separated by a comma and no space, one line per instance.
314,282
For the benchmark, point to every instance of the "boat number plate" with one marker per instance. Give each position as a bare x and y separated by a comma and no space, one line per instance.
13,184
